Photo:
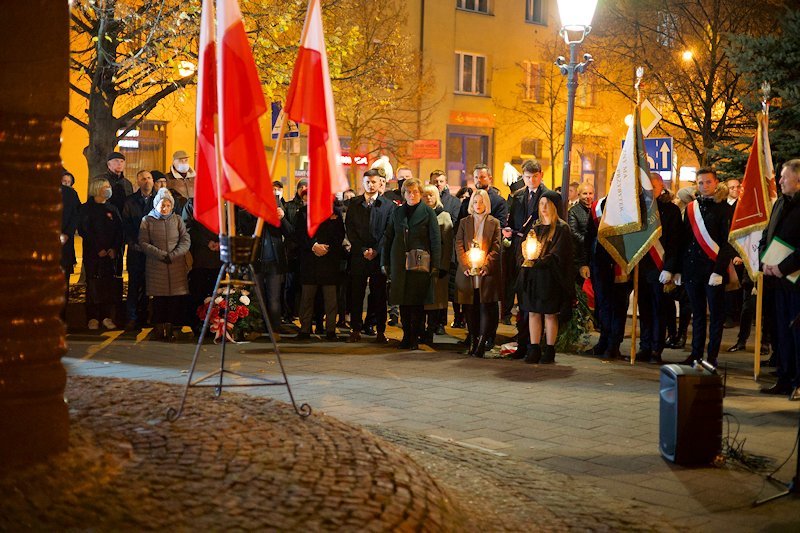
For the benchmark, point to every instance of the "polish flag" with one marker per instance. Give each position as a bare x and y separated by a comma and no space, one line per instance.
205,188
241,103
310,101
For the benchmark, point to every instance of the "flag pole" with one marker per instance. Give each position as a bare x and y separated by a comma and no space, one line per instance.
633,312
220,200
759,308
274,163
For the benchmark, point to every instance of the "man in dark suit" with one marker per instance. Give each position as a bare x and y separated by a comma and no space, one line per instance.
451,204
483,180
367,216
523,214
136,206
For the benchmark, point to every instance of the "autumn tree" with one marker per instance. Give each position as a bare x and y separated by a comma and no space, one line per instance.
685,49
126,57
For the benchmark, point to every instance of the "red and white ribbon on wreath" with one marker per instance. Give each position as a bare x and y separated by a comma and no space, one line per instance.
217,328
698,225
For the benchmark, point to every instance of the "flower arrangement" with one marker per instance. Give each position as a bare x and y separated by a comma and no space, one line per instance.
244,316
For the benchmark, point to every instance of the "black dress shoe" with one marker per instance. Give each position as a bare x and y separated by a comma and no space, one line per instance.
369,331
612,353
644,355
457,324
302,336
440,330
394,321
381,339
597,349
670,341
690,361
331,336
680,342
779,389
736,348
354,337
655,359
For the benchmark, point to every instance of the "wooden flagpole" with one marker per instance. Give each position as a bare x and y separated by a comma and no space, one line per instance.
759,307
633,312
220,200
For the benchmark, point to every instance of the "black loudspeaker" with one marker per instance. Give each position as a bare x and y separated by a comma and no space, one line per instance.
691,414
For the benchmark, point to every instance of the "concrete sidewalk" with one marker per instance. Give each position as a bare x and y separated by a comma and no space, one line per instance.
592,420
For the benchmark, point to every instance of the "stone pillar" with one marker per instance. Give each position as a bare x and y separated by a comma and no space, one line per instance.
34,99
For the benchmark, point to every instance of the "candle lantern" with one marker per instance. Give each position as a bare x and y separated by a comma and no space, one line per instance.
476,257
531,249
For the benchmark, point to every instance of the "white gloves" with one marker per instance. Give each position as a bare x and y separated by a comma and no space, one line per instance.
665,277
676,279
715,280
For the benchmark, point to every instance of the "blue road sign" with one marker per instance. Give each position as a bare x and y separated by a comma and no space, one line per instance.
659,153
291,127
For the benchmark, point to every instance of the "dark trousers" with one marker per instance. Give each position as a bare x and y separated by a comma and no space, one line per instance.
787,339
307,297
413,321
685,308
293,289
749,313
272,284
509,277
482,318
201,284
653,315
363,274
136,303
702,295
611,307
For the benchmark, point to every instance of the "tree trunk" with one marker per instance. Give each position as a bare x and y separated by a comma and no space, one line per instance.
34,421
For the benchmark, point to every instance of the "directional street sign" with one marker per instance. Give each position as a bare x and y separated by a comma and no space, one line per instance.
277,117
659,153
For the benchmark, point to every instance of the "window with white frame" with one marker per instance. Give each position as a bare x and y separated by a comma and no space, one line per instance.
478,6
470,73
532,82
535,11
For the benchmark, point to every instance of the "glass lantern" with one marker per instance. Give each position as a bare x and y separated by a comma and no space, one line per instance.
531,248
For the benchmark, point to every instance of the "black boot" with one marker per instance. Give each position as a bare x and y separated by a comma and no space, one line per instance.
548,355
169,335
680,342
519,353
480,347
473,345
534,354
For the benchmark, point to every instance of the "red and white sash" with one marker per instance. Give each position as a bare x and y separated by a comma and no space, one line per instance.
698,225
657,254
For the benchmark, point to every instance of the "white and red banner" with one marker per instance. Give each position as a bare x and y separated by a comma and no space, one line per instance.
240,105
752,211
205,186
310,101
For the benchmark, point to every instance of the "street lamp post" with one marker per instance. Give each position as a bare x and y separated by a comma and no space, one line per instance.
576,23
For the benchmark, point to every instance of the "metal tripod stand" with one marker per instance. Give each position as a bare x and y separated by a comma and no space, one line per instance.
237,255
793,487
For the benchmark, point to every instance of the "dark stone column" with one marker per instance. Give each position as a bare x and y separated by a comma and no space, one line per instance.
34,99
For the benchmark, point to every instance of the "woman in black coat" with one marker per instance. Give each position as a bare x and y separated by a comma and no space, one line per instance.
101,229
319,257
412,226
70,217
548,286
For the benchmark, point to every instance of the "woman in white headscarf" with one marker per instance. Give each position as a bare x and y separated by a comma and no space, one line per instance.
164,240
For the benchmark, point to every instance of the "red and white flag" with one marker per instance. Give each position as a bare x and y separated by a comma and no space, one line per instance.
752,211
240,104
205,186
310,101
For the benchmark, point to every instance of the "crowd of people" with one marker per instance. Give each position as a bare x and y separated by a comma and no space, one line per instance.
410,252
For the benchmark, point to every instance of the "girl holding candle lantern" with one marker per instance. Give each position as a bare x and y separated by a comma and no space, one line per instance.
478,275
547,279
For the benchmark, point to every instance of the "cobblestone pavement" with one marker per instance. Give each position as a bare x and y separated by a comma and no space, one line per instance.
583,423
242,464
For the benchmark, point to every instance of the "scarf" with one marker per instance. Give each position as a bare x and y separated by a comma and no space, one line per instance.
479,221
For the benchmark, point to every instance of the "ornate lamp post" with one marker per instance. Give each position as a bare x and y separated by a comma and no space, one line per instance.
576,23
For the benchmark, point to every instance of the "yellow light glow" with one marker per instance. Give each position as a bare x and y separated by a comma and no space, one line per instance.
688,55
531,247
476,257
186,68
628,120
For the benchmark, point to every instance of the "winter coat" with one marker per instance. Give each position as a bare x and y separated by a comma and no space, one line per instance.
491,285
578,220
670,215
499,206
202,256
135,208
784,223
179,184
323,270
548,286
693,263
161,238
70,218
101,229
440,289
271,250
452,205
403,233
